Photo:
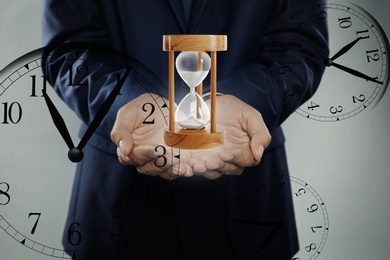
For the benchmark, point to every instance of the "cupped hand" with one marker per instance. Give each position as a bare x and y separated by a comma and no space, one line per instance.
142,144
246,138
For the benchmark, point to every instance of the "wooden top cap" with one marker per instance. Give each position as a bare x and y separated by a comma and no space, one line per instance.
194,42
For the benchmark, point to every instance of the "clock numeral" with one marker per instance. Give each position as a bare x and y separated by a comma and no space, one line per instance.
260,186
36,222
361,98
373,55
313,208
345,22
299,26
80,77
33,85
313,228
4,193
300,192
312,106
74,236
335,110
116,226
244,201
145,109
311,247
280,185
12,113
284,69
364,33
165,160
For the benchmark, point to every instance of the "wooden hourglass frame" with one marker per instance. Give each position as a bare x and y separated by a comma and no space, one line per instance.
211,135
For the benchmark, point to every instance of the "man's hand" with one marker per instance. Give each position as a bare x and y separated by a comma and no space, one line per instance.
246,138
142,145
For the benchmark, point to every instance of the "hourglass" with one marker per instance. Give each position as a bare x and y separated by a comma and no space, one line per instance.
192,125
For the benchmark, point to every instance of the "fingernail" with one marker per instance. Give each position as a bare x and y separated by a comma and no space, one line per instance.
261,150
121,146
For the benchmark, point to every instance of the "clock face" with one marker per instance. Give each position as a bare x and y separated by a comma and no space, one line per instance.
312,219
357,72
251,236
33,169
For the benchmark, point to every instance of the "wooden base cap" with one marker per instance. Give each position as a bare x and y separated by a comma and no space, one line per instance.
194,139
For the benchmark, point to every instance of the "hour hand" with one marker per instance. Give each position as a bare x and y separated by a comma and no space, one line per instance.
345,49
58,120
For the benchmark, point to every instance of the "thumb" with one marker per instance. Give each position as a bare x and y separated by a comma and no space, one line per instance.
123,139
121,133
258,133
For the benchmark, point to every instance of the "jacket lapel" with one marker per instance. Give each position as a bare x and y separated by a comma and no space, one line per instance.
198,8
178,10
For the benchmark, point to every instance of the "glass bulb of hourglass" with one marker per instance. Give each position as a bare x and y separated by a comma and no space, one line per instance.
193,67
192,112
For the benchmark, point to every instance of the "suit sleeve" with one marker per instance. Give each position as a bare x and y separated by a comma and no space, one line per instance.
78,63
289,65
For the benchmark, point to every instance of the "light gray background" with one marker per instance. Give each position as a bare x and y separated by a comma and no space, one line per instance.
347,162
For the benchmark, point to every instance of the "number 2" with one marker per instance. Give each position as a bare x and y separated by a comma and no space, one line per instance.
152,108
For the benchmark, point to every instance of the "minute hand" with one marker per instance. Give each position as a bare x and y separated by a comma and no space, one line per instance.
355,73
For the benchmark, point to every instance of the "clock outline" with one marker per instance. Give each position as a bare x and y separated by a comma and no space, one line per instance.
246,245
308,248
357,78
27,71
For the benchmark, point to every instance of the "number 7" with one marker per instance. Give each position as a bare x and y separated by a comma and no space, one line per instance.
36,222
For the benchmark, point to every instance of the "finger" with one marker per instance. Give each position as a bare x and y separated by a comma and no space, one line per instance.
124,145
154,167
240,157
139,155
198,166
167,175
122,137
183,170
257,150
127,120
230,169
211,175
258,134
202,161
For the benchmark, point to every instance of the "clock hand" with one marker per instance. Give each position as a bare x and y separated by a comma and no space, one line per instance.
101,113
58,120
75,154
267,239
275,225
356,73
344,50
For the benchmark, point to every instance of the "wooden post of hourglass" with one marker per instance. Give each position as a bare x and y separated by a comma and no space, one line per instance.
211,135
200,86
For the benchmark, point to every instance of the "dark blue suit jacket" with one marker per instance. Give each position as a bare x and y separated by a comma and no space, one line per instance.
194,217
